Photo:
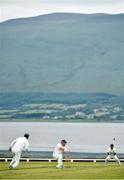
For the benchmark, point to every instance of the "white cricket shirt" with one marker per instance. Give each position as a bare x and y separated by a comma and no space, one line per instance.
57,149
111,151
20,144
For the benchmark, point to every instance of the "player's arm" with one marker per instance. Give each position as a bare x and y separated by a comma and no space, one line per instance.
12,144
114,151
27,146
64,149
108,152
61,149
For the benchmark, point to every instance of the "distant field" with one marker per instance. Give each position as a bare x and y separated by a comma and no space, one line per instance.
99,107
44,170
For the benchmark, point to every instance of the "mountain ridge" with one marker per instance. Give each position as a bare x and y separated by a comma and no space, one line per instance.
62,13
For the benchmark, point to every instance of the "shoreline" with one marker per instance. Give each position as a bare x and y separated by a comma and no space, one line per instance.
59,121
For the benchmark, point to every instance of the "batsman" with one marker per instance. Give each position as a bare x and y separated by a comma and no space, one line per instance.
58,153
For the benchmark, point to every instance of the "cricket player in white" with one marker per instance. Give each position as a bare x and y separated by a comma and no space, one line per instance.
111,154
58,153
16,147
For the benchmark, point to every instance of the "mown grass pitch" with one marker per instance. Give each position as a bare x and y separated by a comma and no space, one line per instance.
76,170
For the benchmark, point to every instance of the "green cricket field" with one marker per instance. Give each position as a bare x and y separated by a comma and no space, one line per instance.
75,170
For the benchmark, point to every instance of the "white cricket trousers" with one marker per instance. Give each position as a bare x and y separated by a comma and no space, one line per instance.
59,158
16,158
112,157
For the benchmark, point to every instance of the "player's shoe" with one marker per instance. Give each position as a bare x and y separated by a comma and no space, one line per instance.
120,163
59,167
10,167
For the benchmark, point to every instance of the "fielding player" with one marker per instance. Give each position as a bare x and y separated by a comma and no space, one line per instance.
58,153
111,154
16,147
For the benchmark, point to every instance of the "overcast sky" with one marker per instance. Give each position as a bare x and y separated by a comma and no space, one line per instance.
24,8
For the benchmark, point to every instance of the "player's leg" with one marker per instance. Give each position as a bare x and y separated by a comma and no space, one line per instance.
60,161
56,156
107,159
12,162
17,159
117,159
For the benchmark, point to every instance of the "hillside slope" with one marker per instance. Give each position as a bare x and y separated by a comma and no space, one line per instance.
63,53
